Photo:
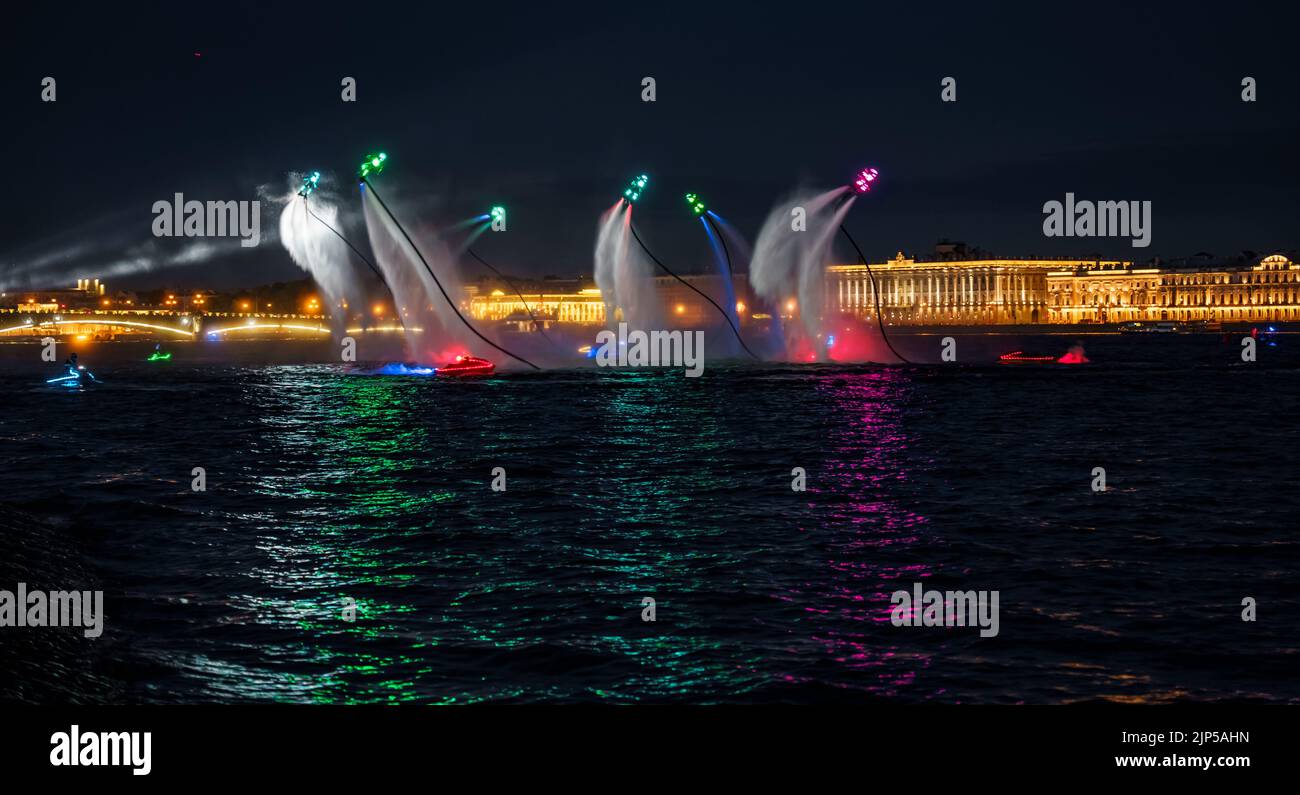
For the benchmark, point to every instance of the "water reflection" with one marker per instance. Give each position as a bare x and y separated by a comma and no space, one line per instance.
870,538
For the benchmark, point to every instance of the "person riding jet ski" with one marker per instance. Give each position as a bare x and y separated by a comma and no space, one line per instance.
76,371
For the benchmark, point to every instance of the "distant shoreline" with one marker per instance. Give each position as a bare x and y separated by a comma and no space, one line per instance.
999,330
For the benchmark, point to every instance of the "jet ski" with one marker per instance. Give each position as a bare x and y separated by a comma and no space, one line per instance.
76,376
1072,356
1021,357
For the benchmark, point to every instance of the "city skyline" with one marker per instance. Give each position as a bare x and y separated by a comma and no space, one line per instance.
956,286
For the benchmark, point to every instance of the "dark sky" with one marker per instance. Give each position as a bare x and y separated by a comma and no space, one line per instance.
538,107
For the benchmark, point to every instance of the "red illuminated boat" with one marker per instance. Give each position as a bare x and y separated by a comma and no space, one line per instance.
1073,356
1021,357
465,365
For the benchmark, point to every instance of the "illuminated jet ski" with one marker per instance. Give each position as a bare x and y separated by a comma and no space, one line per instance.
465,365
1021,357
1072,356
159,355
77,375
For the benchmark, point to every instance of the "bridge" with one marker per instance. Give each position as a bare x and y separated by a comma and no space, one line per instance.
147,324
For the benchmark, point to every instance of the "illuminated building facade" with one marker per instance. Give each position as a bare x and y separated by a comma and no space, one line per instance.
1262,289
996,291
551,301
949,290
575,302
87,294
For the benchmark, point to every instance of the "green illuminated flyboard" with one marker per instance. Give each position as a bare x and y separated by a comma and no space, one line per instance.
373,164
309,183
635,188
697,205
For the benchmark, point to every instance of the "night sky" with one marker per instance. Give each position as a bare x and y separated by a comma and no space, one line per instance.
539,108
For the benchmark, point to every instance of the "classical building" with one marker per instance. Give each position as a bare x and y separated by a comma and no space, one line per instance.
573,301
551,301
950,289
1255,290
955,289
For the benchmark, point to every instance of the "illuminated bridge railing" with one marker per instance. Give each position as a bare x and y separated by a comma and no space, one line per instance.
65,324
176,325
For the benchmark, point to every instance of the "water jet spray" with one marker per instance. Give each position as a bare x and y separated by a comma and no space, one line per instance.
702,211
373,164
863,183
631,195
309,184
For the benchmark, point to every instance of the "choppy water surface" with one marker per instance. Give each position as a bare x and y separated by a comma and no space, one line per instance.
325,485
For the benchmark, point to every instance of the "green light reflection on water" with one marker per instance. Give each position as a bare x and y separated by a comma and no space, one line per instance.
358,510
349,445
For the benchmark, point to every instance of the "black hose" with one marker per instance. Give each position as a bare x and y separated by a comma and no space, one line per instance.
340,236
875,293
356,251
434,276
725,316
510,282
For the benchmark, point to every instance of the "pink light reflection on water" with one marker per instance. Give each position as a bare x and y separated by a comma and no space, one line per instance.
868,534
